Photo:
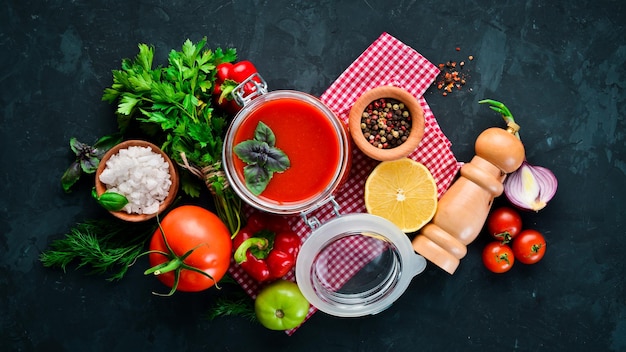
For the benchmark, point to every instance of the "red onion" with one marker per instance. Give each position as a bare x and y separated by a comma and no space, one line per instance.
530,187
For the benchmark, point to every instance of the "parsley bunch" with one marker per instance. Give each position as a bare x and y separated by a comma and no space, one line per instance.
173,104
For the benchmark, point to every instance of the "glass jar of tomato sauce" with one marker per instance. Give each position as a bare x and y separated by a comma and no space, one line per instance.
315,140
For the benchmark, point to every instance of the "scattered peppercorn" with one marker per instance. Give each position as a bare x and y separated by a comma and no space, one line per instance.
386,123
452,76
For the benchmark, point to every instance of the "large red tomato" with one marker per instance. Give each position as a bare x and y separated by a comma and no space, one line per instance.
197,252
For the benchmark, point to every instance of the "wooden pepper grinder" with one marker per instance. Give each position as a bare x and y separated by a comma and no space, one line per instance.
463,209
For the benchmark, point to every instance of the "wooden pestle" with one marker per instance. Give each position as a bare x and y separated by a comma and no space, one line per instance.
463,209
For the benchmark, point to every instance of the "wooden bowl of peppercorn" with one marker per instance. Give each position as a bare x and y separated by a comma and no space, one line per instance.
386,123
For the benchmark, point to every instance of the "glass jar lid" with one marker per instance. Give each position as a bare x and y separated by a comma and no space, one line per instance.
356,265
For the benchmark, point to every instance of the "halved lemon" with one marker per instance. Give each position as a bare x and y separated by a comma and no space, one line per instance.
402,191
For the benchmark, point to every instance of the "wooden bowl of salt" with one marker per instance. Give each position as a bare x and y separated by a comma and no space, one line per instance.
141,172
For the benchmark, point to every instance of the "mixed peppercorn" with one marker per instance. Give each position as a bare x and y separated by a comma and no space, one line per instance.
386,123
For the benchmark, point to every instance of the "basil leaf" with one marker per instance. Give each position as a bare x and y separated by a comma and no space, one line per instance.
71,176
77,147
252,151
89,164
276,160
105,143
257,178
263,133
111,201
262,157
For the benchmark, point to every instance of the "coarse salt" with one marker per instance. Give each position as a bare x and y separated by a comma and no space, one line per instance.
139,174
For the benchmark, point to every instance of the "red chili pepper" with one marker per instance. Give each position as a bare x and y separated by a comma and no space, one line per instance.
228,77
266,248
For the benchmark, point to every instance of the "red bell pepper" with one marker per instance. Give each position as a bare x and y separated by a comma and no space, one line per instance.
266,248
228,77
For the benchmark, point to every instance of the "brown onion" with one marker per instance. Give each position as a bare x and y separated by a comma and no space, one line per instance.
530,187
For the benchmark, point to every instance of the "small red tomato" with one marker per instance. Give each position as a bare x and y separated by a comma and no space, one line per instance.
529,246
504,224
498,257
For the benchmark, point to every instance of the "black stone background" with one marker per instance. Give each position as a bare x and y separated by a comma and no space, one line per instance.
560,66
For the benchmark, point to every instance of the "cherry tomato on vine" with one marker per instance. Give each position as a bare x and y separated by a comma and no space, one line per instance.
192,252
529,246
504,224
498,257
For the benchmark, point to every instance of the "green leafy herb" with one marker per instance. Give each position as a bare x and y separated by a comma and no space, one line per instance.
262,157
87,158
238,307
105,246
111,201
236,304
233,302
173,104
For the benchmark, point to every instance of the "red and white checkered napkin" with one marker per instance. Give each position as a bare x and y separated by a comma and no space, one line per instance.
387,61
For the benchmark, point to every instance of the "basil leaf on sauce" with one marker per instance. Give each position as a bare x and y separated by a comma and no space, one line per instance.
262,158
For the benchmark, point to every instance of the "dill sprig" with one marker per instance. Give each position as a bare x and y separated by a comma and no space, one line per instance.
236,304
104,246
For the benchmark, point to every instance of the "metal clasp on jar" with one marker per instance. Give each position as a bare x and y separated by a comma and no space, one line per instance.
313,221
260,88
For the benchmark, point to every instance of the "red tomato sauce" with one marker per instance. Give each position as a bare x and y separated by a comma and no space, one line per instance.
307,137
